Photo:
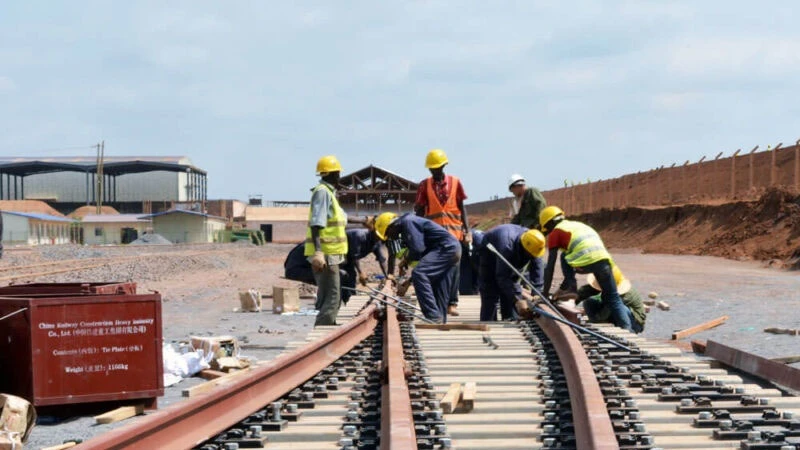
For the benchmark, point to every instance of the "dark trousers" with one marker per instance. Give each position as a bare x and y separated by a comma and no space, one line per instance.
328,292
348,276
491,294
620,314
468,273
435,279
570,283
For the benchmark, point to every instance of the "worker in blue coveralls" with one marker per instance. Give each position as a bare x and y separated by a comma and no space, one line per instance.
498,283
361,242
438,254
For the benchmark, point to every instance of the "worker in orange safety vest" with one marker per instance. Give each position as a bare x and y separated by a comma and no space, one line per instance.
440,198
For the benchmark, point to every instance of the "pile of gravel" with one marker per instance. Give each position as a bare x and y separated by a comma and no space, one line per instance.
151,239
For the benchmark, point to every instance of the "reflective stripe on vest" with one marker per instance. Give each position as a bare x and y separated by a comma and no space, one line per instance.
447,215
585,246
332,238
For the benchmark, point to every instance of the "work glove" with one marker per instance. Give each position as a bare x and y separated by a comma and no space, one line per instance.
362,278
318,263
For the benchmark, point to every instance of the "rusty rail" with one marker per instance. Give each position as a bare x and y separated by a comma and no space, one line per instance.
593,429
397,423
194,421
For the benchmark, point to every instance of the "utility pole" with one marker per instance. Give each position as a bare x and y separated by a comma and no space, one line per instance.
101,147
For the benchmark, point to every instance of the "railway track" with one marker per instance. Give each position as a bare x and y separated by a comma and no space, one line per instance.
376,381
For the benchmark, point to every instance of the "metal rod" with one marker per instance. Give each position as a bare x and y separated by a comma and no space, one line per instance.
399,308
375,291
581,329
397,299
13,313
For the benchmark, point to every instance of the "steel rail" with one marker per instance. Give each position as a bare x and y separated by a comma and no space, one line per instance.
197,420
397,422
593,428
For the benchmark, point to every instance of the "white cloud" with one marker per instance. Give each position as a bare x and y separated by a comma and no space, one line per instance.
751,56
674,101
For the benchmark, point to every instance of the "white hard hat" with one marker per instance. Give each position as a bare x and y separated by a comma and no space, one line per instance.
515,179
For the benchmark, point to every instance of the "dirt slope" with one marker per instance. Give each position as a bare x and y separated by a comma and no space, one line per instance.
767,229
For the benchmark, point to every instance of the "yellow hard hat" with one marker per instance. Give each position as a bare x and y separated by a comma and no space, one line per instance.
328,164
533,241
548,214
623,284
382,223
436,158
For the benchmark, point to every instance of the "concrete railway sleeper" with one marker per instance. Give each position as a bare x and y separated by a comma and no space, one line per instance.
374,382
726,414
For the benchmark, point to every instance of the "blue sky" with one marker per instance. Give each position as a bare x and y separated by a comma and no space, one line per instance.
255,92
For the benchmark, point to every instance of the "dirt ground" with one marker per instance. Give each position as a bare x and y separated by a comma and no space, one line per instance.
200,294
764,230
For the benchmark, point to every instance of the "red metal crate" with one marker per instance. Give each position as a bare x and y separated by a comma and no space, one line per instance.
77,349
112,287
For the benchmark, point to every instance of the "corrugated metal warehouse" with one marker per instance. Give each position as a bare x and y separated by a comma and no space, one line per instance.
130,184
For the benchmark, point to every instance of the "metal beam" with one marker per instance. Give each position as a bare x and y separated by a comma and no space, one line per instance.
189,423
397,423
593,428
761,367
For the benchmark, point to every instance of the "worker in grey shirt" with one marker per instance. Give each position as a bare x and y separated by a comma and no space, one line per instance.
326,240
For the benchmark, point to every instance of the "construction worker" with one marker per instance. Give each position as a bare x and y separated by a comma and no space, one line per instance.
527,204
598,312
498,283
584,252
437,253
440,198
326,240
360,243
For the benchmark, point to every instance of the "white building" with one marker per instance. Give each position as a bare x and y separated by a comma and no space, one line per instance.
100,229
279,224
187,227
35,228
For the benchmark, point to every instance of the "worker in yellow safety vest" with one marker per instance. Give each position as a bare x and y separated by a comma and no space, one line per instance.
440,198
583,252
326,240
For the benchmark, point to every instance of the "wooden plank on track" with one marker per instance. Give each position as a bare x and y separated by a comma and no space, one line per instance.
125,412
698,328
468,396
451,398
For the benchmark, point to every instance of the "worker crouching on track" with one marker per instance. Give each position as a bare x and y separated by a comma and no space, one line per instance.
360,244
440,198
326,240
498,283
583,252
598,312
437,252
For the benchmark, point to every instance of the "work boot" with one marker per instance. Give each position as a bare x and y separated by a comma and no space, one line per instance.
453,310
565,294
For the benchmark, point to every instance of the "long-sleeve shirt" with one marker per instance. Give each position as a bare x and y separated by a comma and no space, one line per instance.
506,239
532,204
360,243
421,235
